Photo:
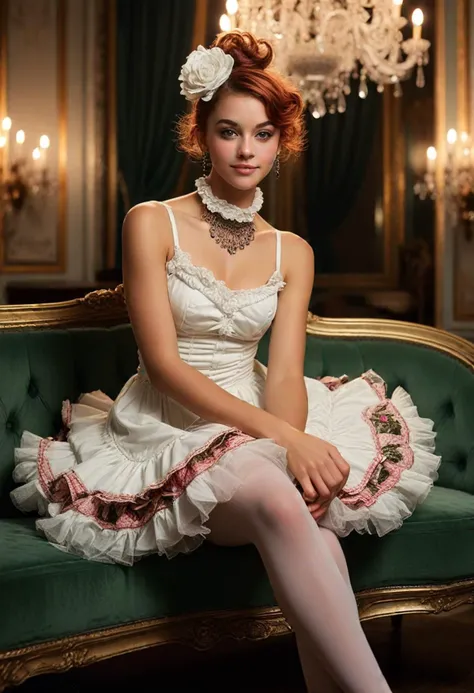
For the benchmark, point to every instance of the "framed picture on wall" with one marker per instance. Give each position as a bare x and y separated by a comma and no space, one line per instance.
33,130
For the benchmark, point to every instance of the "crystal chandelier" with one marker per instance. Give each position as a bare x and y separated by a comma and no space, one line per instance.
322,44
458,183
23,178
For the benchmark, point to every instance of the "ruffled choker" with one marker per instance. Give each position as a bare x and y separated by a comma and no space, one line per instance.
231,227
226,209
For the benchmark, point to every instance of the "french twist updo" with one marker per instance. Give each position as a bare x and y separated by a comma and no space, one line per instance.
252,75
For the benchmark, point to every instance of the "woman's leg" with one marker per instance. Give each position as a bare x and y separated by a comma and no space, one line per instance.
268,511
315,674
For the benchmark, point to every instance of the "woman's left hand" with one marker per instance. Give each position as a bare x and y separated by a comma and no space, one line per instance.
318,509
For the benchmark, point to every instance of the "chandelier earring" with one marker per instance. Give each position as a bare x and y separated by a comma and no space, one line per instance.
277,166
206,164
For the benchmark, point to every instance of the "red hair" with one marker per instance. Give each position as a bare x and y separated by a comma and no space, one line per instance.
251,75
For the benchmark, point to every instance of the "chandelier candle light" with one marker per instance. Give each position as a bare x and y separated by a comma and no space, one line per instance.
458,184
22,176
325,43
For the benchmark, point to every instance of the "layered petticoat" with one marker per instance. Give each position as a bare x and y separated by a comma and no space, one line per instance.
143,474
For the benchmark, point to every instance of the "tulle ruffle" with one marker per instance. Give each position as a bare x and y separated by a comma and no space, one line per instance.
142,474
90,461
410,486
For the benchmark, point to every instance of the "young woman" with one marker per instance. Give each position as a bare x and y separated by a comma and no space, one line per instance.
203,441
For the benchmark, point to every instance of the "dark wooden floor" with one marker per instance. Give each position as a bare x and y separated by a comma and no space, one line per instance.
437,656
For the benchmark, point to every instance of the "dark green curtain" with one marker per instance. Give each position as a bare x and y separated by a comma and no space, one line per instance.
153,40
338,152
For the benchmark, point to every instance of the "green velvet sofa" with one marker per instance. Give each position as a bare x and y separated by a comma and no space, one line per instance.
58,611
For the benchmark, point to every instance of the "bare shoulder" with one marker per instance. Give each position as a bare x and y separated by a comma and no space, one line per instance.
187,205
144,214
297,254
147,224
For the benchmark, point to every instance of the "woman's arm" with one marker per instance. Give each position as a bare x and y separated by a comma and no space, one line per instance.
145,248
285,390
320,470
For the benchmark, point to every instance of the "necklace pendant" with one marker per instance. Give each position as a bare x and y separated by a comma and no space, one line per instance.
231,227
230,235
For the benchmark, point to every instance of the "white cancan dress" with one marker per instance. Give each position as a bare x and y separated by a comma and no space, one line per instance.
141,474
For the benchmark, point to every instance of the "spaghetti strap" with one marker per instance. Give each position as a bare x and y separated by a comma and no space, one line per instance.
278,250
174,227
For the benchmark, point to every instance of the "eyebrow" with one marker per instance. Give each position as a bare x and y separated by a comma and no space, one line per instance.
236,125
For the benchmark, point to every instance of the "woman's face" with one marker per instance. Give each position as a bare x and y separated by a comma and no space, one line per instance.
241,140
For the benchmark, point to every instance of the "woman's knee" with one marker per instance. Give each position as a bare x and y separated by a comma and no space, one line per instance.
266,500
281,509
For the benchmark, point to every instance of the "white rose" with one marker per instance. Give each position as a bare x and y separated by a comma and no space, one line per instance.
205,70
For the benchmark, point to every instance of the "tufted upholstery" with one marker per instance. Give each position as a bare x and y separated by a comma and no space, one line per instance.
42,368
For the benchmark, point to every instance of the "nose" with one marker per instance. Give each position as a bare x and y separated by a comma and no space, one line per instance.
245,149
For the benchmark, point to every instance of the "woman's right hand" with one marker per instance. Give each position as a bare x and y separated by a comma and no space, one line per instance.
318,466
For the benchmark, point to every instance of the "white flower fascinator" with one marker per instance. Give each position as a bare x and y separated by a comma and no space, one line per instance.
205,70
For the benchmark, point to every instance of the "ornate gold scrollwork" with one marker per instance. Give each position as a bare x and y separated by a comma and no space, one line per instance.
102,298
73,658
205,634
12,673
436,604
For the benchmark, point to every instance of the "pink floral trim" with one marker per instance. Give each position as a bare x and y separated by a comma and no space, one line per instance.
377,383
127,511
66,413
45,473
391,437
393,456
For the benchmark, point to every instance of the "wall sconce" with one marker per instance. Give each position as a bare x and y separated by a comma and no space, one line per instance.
23,176
458,189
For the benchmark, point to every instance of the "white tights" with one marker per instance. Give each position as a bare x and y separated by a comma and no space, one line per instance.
308,573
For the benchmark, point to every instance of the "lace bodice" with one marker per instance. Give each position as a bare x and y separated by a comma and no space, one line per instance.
218,328
228,301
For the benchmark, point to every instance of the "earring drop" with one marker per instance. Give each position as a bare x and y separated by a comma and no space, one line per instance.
277,166
206,164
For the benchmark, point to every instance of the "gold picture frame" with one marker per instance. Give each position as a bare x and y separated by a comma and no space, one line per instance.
41,265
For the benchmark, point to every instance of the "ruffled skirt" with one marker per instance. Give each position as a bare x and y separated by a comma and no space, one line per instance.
142,474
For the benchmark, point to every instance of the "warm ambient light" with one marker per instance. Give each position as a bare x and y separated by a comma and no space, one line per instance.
44,142
20,136
36,153
417,19
224,23
6,123
431,155
232,7
452,136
